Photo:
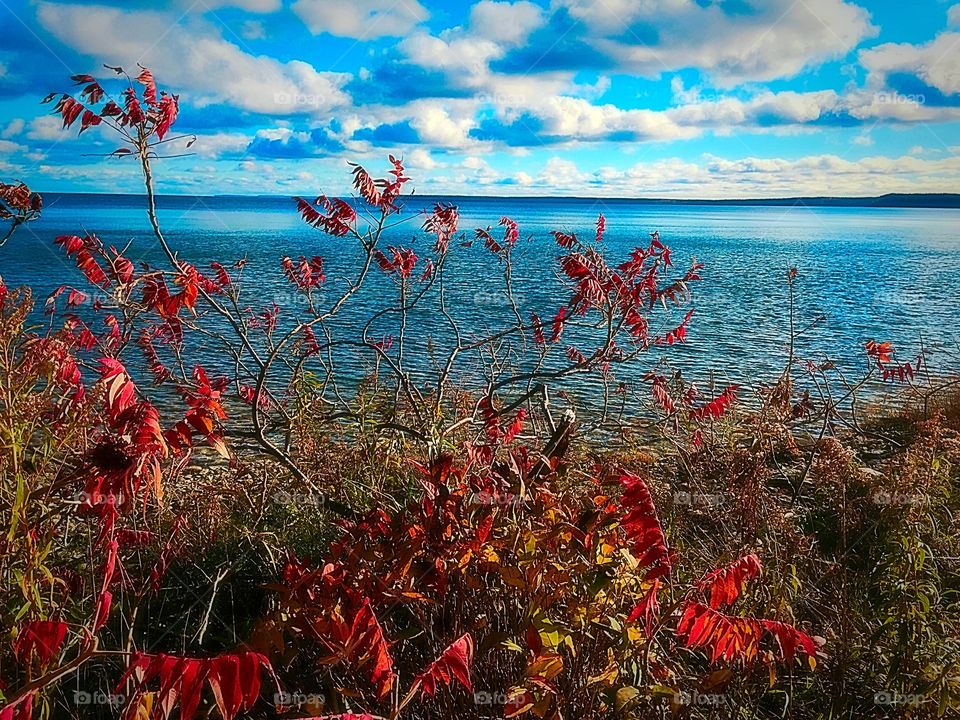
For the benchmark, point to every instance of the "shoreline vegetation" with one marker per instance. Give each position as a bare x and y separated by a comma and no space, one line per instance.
429,549
890,200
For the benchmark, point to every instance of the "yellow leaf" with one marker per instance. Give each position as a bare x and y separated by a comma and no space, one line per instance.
547,666
625,696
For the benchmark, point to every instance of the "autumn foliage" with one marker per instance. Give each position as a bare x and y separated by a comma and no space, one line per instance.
455,547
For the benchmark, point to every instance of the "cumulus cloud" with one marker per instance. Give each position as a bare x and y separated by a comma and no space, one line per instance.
936,63
420,159
217,145
361,19
13,128
46,128
764,41
8,147
440,127
190,54
505,22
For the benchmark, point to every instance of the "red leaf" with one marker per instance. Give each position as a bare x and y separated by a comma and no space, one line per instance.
881,352
538,336
736,639
647,608
89,119
145,78
453,664
642,527
718,406
121,392
102,610
337,219
558,324
234,680
165,114
367,637
442,223
134,113
41,639
726,584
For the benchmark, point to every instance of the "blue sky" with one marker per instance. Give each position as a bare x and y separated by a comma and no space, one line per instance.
653,98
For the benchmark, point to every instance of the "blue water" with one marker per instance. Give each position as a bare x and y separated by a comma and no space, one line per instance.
888,274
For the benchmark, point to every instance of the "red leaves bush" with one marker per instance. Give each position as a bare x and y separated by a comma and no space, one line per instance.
489,542
233,679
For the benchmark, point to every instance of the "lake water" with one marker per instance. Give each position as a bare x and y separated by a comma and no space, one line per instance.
888,274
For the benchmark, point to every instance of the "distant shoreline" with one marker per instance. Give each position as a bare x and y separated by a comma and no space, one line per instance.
891,200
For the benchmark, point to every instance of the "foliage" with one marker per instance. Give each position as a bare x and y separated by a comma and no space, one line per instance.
442,543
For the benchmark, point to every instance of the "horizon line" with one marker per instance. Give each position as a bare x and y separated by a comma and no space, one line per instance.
856,200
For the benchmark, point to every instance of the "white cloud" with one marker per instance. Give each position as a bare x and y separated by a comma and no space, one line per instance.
420,159
953,15
778,39
562,174
578,119
3,70
710,177
361,19
217,145
505,22
780,108
14,127
749,177
46,128
194,57
253,30
257,6
440,125
474,171
937,62
464,54
9,148
452,53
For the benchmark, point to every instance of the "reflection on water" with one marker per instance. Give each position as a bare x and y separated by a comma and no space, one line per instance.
889,274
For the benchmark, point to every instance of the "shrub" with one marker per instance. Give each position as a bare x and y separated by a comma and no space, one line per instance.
440,542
